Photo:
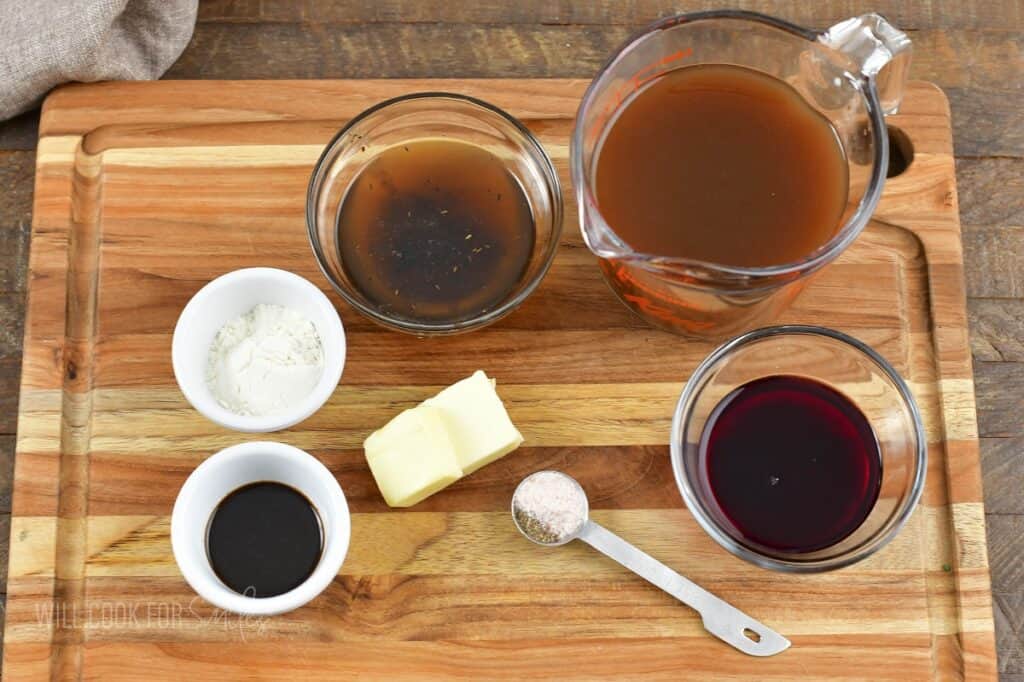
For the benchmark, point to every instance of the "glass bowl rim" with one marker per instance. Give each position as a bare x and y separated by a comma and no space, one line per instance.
724,539
538,154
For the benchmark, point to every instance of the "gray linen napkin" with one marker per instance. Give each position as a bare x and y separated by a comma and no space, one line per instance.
44,43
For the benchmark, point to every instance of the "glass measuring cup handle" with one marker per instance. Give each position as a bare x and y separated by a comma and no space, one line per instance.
880,51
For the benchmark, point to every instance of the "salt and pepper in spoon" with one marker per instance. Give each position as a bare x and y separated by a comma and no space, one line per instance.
550,508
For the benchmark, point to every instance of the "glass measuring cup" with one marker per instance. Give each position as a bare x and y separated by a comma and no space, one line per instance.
853,74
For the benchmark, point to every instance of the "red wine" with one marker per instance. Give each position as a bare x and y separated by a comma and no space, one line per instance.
792,463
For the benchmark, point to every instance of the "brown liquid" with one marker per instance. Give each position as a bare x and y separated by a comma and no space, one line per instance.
435,231
722,164
264,539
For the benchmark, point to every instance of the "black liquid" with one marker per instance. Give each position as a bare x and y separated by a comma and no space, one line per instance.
792,463
264,539
435,231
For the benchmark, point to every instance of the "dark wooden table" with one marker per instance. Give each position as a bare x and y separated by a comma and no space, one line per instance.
974,49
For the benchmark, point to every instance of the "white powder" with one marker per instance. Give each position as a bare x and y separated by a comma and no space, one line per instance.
549,506
264,361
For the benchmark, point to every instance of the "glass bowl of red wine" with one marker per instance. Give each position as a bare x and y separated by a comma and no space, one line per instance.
798,448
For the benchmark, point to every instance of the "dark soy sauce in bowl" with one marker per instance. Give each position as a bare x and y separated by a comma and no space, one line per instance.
792,463
264,539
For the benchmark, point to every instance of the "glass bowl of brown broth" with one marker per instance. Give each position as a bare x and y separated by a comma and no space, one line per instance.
434,213
798,448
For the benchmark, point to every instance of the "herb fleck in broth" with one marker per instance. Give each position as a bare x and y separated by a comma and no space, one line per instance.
435,231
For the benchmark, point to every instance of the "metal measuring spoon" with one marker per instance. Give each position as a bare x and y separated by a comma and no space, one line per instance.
720,618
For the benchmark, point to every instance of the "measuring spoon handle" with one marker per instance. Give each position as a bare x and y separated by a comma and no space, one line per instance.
720,618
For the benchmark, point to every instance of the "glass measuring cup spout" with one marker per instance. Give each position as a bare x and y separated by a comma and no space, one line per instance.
852,74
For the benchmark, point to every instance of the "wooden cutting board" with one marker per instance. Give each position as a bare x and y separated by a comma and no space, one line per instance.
144,192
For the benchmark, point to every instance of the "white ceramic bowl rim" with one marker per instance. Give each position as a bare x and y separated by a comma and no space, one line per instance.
199,395
332,508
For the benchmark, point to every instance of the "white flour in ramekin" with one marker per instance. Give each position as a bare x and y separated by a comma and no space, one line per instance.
265,361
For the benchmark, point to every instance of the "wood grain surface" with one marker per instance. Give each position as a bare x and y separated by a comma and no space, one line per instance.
974,55
144,192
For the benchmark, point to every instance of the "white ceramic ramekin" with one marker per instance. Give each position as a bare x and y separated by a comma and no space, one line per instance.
235,294
231,469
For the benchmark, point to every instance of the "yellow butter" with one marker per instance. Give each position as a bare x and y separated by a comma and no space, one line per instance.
412,456
478,424
427,448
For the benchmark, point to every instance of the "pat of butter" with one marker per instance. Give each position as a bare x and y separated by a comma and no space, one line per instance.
477,422
434,444
412,456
